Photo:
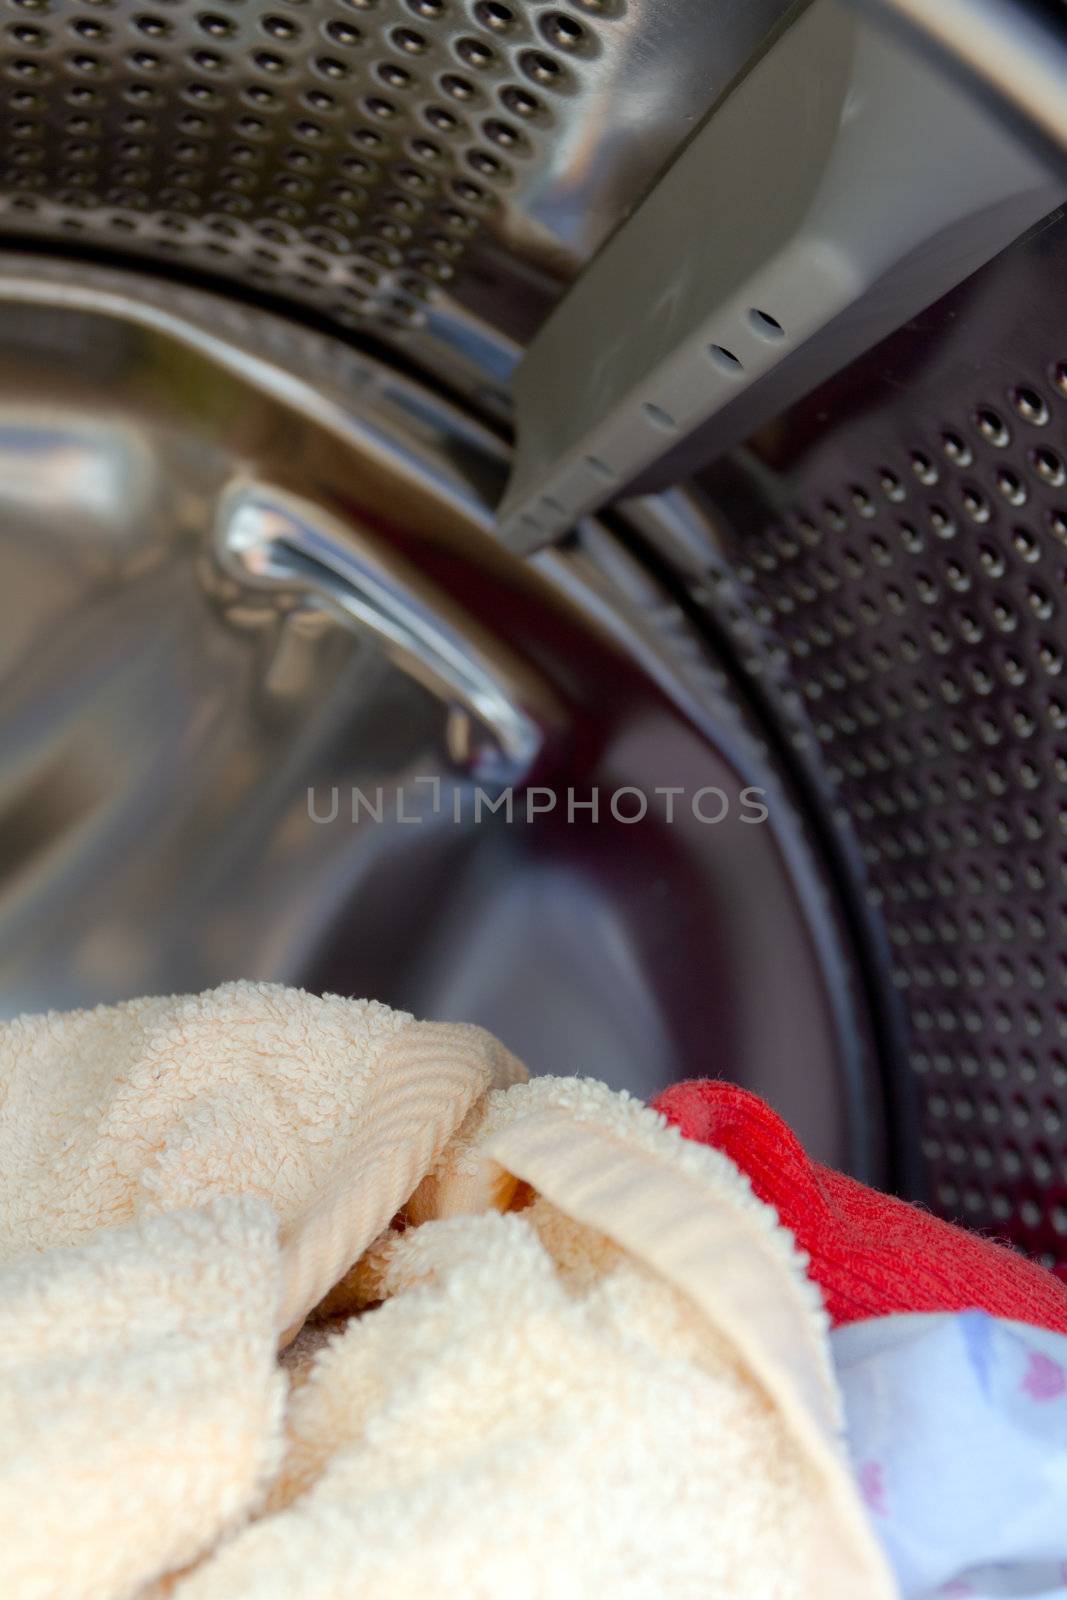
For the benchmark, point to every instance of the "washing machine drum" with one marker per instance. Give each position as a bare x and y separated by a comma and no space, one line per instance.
555,515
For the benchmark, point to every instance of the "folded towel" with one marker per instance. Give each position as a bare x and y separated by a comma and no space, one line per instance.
584,1355
871,1254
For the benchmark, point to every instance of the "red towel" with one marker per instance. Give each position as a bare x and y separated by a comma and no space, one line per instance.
871,1254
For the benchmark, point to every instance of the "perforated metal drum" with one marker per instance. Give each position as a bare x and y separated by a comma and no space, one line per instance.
895,575
550,396
399,167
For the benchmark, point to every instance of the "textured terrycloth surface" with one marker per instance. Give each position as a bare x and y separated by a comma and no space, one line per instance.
871,1254
140,1399
332,1109
622,1384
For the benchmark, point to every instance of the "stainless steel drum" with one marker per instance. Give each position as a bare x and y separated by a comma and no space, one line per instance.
277,704
554,513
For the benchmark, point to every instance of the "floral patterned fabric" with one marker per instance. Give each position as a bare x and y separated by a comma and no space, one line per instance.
957,1428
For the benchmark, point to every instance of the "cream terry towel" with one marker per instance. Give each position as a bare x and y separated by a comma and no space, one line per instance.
583,1358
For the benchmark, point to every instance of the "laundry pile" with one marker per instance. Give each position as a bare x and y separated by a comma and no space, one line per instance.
950,1352
301,1299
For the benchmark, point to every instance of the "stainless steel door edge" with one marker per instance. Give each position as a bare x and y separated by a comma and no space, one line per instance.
861,1107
